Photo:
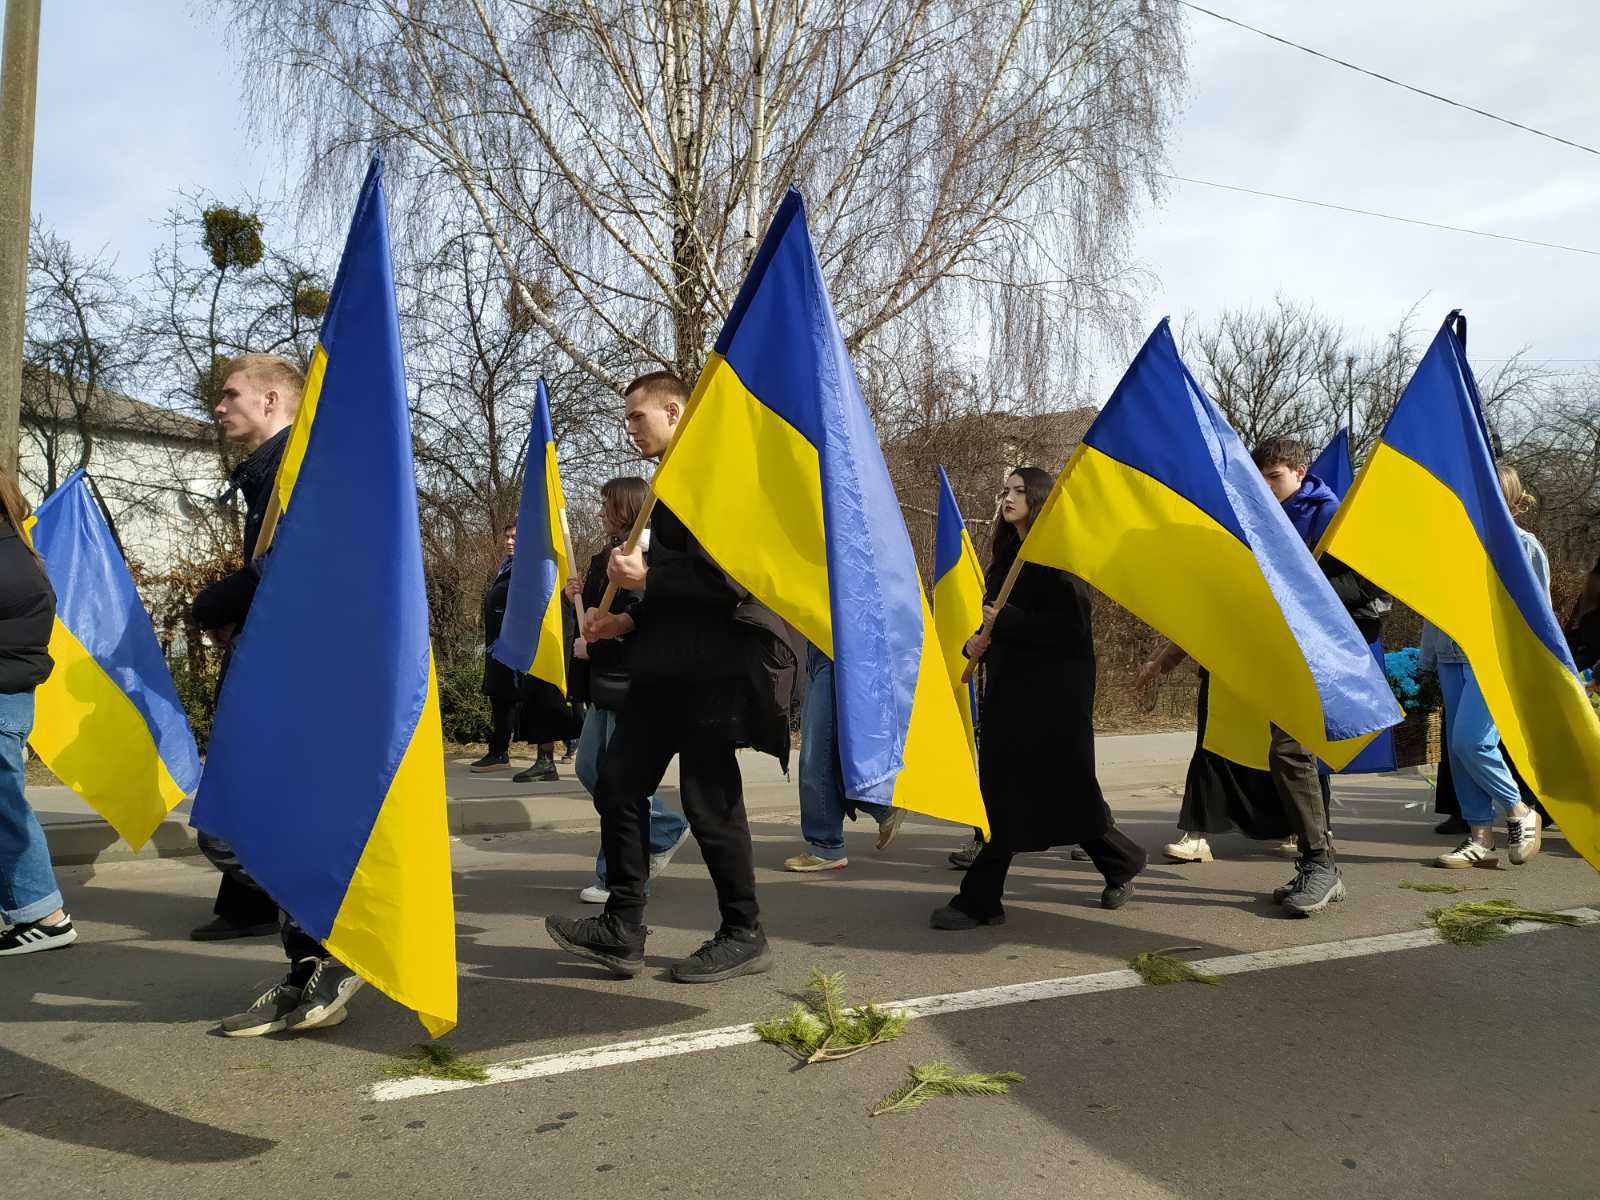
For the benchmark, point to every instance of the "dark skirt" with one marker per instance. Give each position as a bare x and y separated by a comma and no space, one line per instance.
1220,795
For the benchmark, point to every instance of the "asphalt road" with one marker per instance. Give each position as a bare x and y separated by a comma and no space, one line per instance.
1438,1071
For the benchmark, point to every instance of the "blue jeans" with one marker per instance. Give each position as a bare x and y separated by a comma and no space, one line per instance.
822,798
666,826
1477,768
27,884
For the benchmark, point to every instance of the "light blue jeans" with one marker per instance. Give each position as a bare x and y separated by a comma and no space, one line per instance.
27,884
666,826
822,798
1477,767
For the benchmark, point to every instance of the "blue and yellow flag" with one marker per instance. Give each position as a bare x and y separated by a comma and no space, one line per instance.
1427,522
1238,734
326,768
108,721
957,600
1333,467
776,469
531,640
1162,509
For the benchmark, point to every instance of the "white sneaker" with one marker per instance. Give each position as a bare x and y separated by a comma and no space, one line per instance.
1468,854
594,894
1526,837
1189,848
658,862
1288,848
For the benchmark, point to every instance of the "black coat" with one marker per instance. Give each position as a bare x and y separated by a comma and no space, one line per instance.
499,680
602,678
27,615
1036,748
546,715
227,600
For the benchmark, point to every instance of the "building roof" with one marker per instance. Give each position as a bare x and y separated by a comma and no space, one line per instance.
110,412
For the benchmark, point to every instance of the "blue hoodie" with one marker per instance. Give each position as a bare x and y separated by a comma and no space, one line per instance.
1311,508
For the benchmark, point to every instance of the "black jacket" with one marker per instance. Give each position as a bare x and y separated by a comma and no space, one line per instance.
707,646
27,615
500,682
227,601
602,678
1364,600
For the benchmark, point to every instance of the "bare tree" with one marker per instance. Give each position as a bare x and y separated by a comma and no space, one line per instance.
77,343
623,157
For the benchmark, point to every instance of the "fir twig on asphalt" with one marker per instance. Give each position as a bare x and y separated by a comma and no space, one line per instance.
434,1060
924,1081
1474,922
823,1029
1444,889
1158,967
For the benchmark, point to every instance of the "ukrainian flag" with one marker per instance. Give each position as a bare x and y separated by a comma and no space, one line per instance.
957,600
1162,509
1427,522
532,641
1236,733
325,770
776,470
108,721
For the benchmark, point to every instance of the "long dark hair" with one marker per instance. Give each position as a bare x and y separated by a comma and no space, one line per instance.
1006,541
15,509
621,499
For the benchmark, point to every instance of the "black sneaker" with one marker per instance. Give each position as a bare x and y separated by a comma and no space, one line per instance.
1116,895
1320,885
271,1009
951,917
33,936
326,993
603,939
542,771
730,952
1452,825
491,762
221,929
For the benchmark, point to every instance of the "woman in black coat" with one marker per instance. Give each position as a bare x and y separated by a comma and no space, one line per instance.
1036,748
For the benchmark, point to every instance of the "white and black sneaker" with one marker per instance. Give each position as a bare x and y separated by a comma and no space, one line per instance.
32,936
326,993
269,1013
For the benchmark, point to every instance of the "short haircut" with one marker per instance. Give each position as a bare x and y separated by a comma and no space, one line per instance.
659,386
270,371
1281,452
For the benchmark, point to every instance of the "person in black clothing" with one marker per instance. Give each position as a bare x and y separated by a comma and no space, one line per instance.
259,399
260,396
688,695
600,677
499,680
31,914
1036,756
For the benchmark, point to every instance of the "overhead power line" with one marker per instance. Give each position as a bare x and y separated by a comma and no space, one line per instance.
1391,80
1363,212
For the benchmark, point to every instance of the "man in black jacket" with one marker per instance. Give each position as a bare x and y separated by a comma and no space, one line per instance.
690,696
259,399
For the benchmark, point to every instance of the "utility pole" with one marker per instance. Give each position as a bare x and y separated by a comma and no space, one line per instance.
19,85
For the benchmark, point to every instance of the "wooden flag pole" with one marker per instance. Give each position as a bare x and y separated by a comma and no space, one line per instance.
640,524
572,562
999,603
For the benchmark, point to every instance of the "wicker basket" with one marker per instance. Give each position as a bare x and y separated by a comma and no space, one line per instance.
1417,738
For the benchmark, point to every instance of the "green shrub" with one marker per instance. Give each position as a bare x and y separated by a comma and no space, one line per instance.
463,707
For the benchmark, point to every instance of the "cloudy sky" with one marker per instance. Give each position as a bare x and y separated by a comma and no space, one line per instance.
139,100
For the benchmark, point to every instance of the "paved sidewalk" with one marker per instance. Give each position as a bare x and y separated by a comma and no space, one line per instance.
494,804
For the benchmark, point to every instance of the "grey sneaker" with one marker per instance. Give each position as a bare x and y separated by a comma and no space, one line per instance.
1320,885
268,1014
730,952
1284,891
963,858
327,992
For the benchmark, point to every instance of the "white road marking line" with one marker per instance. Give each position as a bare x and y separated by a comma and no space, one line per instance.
619,1053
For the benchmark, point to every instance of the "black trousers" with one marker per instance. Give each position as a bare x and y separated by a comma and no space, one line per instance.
651,728
297,943
1115,855
504,723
